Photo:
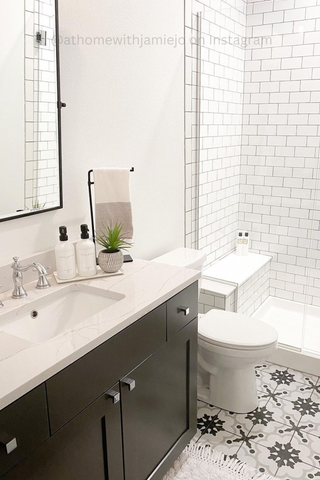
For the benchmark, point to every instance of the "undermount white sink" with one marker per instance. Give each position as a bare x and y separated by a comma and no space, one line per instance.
45,318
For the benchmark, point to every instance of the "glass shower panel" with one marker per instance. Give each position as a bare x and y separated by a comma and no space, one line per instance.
311,334
221,100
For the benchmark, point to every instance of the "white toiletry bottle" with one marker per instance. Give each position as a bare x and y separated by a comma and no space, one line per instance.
245,244
86,254
65,257
239,244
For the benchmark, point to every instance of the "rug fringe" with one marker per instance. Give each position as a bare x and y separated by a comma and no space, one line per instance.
207,453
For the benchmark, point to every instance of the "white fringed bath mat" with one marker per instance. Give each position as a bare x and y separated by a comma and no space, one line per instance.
201,462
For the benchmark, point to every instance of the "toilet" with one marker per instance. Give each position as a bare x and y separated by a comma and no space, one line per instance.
230,346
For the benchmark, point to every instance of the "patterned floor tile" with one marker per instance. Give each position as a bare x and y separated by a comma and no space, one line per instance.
222,441
258,457
316,394
268,394
263,366
283,411
273,368
293,391
312,428
309,409
207,420
265,381
317,388
309,447
301,377
300,471
282,436
268,434
234,422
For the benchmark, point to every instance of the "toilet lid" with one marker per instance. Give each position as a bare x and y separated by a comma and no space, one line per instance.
235,331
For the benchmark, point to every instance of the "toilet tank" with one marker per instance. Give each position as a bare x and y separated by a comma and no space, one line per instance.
183,257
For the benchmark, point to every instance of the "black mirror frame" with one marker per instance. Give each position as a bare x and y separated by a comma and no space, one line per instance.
60,105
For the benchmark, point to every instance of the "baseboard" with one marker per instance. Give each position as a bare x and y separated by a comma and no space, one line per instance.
308,363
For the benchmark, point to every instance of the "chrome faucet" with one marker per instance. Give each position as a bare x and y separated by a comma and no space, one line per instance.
18,269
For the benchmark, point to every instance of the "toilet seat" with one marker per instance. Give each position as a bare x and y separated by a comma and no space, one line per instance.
235,331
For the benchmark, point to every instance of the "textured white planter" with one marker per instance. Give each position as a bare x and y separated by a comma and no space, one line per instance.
110,262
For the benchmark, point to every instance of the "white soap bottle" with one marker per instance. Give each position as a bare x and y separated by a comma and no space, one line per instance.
245,244
86,254
65,257
239,244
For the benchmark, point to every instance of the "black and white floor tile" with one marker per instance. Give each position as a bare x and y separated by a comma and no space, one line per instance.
282,436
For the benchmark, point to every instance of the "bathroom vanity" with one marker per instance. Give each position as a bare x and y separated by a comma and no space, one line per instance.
124,404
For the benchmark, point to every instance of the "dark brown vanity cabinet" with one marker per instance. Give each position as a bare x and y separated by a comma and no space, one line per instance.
23,427
88,447
159,414
132,428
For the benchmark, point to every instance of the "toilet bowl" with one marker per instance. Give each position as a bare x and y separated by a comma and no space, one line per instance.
230,345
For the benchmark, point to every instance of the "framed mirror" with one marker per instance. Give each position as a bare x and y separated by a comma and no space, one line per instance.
30,108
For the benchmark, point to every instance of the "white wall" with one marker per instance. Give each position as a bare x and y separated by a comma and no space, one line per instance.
125,108
12,102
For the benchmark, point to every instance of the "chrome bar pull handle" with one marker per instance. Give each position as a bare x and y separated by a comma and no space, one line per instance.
130,382
9,442
185,310
114,395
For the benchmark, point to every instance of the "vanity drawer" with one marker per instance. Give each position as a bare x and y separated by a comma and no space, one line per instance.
23,427
181,309
75,387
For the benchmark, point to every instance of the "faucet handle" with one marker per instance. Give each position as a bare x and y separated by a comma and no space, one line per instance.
42,279
16,263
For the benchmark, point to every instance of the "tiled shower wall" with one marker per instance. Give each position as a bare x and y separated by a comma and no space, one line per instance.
281,132
280,145
221,80
41,174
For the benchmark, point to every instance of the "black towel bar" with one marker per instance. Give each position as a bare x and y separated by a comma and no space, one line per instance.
91,182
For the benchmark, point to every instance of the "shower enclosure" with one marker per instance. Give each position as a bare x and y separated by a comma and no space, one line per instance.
254,160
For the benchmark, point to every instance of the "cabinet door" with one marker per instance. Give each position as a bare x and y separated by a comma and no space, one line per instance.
23,427
159,408
88,447
77,386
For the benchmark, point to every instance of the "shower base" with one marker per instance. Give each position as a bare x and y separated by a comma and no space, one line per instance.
299,344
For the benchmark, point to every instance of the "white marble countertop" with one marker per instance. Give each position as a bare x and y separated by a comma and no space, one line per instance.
25,365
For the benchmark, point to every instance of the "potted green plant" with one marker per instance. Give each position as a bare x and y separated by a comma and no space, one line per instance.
110,259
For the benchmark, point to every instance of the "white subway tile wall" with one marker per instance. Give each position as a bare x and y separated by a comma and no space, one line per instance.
280,144
254,291
270,130
209,300
245,300
42,164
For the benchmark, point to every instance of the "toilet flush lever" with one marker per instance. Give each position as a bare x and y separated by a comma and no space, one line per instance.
185,310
